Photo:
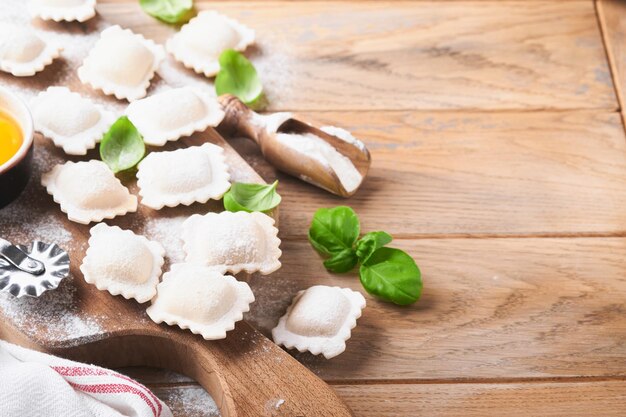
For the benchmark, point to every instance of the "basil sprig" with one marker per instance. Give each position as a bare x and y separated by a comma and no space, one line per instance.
387,273
122,147
251,197
169,11
237,76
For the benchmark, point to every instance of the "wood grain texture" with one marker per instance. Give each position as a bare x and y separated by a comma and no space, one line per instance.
573,399
547,173
482,400
417,55
491,308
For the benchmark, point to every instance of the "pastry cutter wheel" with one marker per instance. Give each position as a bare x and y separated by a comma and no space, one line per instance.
31,270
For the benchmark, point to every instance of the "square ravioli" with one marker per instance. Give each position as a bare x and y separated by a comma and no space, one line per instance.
123,263
320,320
200,42
121,64
88,191
63,10
174,113
201,299
71,121
183,176
237,242
23,52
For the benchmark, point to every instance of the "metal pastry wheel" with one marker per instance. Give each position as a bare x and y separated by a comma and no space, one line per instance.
31,270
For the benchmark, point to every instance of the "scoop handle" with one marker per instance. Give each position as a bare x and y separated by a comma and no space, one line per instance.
239,120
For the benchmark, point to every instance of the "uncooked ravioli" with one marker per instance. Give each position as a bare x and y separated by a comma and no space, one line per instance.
122,262
174,113
72,122
238,241
63,10
183,176
88,191
201,299
121,63
23,52
320,320
200,42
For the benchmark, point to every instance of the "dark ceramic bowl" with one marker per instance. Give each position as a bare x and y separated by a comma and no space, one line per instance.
14,173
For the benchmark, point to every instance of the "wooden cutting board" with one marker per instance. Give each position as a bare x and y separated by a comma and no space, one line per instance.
246,373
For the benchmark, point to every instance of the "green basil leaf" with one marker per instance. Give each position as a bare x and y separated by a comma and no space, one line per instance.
370,242
392,275
342,261
169,11
334,230
122,146
237,76
251,197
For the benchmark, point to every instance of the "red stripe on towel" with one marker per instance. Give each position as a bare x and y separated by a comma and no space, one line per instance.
76,371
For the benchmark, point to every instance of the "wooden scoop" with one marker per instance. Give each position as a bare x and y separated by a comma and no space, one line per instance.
264,130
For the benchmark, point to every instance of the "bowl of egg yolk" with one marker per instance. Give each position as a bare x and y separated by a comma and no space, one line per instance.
16,146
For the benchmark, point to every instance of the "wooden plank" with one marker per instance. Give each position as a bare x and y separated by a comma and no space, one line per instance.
606,398
491,308
417,55
549,173
581,399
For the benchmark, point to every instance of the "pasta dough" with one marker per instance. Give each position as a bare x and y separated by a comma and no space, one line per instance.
63,10
236,241
74,123
23,52
200,42
121,63
201,299
183,176
122,262
320,320
173,114
88,191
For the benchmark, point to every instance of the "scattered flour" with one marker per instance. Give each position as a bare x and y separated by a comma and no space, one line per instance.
54,315
166,231
316,148
191,401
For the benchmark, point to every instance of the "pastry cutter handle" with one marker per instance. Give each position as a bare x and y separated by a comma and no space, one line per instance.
19,259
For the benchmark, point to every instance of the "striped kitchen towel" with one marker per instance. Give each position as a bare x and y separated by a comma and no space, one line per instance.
34,384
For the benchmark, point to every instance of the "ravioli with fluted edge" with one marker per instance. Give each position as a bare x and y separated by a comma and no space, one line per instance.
199,44
320,320
174,113
63,10
121,64
88,191
23,52
201,299
71,121
237,242
183,176
123,263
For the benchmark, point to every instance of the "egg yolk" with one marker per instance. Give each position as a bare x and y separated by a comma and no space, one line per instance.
10,137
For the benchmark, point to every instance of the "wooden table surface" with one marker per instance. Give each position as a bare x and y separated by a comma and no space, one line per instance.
499,163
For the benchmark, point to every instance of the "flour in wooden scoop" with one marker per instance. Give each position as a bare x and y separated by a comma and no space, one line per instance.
318,149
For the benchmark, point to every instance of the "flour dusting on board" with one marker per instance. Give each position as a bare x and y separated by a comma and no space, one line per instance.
54,314
190,401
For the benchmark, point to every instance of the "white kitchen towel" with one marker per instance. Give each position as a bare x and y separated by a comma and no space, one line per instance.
33,384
